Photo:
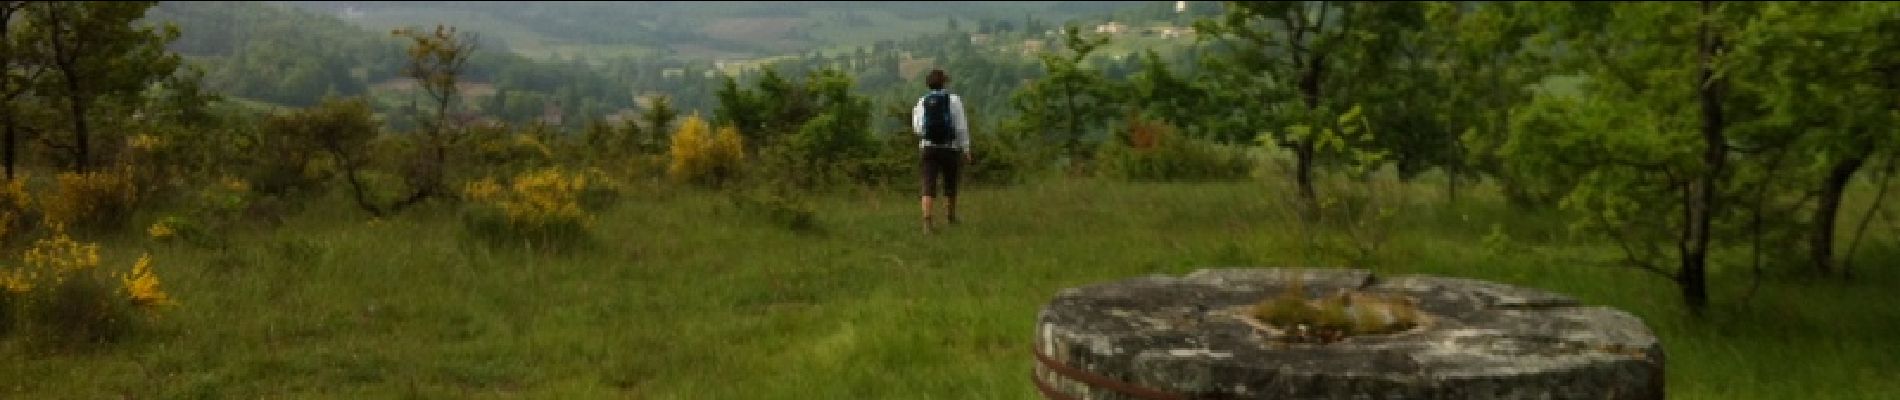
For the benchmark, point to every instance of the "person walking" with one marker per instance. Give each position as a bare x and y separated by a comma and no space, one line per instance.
939,121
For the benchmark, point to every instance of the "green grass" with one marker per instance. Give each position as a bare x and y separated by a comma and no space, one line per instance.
688,298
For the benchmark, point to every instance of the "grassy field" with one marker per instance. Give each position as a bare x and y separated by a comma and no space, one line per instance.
687,297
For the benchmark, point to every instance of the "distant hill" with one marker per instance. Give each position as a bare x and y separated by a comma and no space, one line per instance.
696,30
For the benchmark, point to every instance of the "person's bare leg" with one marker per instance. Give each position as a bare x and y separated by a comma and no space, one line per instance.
926,208
950,209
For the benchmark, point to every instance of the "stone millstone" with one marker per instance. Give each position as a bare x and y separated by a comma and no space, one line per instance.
1193,337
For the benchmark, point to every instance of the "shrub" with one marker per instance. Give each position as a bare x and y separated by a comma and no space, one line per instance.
16,210
98,200
780,206
699,156
62,295
1151,151
540,208
303,150
1355,220
601,191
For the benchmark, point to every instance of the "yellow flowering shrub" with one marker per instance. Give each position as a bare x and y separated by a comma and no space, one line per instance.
16,206
59,257
545,197
161,231
145,142
101,200
698,155
141,285
63,294
542,207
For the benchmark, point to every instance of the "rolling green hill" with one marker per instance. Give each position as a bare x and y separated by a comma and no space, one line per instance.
696,30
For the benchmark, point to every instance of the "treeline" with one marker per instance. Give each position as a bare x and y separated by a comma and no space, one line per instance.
1690,135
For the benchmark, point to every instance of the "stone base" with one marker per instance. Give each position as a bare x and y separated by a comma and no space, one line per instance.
1191,337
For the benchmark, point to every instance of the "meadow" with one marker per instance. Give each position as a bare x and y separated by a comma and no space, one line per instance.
683,295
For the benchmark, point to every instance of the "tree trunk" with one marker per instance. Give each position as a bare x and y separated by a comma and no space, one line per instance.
1451,187
65,60
1702,205
1304,150
1303,173
1075,131
81,144
1821,245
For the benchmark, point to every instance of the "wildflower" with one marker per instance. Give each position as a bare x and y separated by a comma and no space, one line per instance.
481,190
236,184
16,281
142,286
145,142
160,231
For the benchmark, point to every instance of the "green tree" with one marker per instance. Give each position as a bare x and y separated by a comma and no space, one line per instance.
1180,101
1815,67
1642,153
659,114
342,128
95,50
1070,95
19,58
742,108
1327,57
1475,76
437,61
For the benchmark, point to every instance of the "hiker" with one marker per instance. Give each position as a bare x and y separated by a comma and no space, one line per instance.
938,119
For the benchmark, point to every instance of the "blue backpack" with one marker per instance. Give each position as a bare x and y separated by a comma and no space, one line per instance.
937,127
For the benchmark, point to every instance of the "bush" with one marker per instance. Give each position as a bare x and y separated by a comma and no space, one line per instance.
303,150
61,295
1151,151
780,206
16,210
1005,158
698,156
95,200
542,209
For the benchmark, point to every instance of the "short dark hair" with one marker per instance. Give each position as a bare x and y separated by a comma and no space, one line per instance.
936,79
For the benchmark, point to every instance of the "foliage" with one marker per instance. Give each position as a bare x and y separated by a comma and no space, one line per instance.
775,203
90,200
62,295
211,208
436,61
94,52
17,214
1070,98
1306,66
700,156
542,209
1152,151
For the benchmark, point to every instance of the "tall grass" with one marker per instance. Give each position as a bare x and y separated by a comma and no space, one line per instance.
691,297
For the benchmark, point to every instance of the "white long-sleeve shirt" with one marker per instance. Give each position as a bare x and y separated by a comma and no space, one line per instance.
956,117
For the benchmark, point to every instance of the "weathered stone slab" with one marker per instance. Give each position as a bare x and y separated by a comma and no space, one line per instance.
1193,336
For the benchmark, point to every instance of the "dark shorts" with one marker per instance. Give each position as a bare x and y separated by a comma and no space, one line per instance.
941,163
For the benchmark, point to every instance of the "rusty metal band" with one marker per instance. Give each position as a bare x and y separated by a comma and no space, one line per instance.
1092,379
1048,392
